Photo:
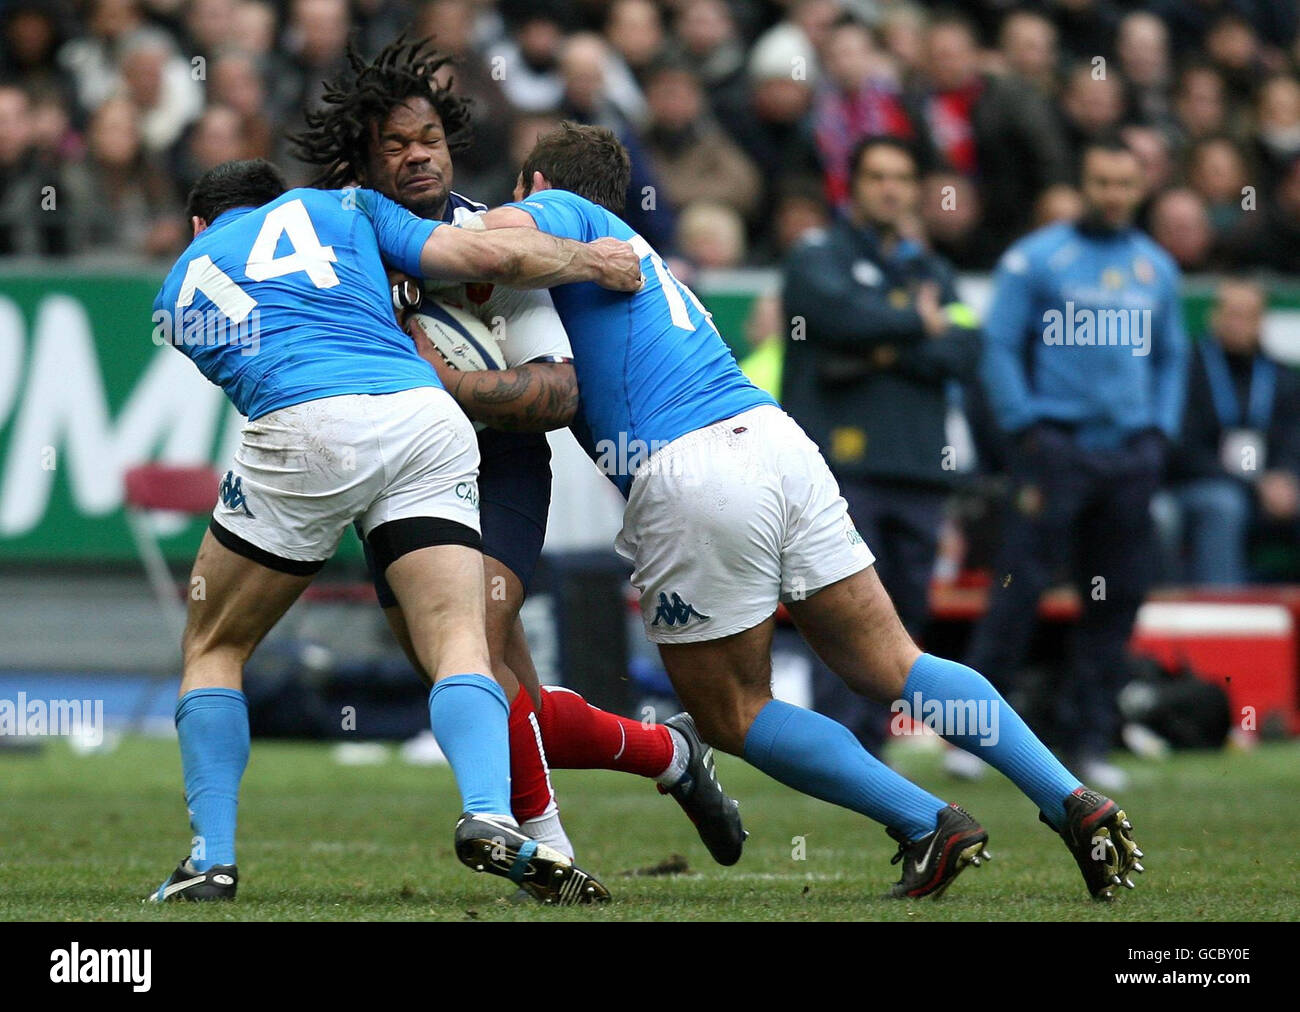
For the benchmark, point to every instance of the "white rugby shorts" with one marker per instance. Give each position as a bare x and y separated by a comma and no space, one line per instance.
304,473
726,521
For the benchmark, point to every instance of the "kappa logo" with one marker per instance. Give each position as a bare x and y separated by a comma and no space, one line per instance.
675,611
231,494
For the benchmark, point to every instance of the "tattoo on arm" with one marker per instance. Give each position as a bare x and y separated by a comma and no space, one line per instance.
534,397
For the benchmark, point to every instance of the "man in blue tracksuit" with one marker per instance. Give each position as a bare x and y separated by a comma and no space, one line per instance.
1084,366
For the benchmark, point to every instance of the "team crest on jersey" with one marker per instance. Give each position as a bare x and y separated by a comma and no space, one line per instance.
232,495
675,612
1143,270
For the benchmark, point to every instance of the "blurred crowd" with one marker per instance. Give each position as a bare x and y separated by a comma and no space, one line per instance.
740,114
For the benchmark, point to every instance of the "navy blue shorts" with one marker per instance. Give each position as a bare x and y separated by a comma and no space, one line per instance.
514,489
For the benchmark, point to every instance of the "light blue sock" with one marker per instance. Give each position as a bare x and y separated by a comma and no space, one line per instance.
816,756
976,718
468,714
212,725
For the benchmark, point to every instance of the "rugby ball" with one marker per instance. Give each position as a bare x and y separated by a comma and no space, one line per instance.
465,341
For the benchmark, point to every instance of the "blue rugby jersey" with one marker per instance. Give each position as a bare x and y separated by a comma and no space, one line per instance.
289,302
1086,329
651,366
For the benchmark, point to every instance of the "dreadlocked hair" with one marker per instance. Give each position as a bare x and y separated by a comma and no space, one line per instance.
337,137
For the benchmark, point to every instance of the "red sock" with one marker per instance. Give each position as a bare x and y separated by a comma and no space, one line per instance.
531,793
580,737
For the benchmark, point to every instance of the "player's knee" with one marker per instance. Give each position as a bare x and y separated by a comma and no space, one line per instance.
458,654
206,647
726,727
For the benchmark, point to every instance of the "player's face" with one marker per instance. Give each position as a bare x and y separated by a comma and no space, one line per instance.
409,159
1112,187
884,188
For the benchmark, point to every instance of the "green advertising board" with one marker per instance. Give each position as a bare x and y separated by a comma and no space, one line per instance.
86,393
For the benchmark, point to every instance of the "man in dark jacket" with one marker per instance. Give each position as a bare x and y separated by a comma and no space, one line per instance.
1236,465
878,337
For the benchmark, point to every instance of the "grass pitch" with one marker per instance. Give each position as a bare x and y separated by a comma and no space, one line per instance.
85,837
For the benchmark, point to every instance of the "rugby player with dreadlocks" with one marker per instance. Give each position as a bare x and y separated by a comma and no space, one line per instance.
391,126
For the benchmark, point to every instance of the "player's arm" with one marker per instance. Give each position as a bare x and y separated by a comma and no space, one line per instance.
538,395
515,257
533,397
527,258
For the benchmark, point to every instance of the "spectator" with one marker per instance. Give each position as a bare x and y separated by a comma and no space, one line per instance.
1236,466
588,67
798,207
217,137
1028,48
1277,128
1201,104
253,27
711,44
636,32
869,383
92,61
1269,237
1087,414
1216,170
381,21
689,153
772,126
1181,224
20,179
765,335
124,203
29,41
209,25
814,20
55,141
711,236
316,39
1233,48
857,97
902,29
234,81
1086,28
162,86
1142,49
1092,107
951,219
481,168
1191,21
598,88
1152,149
529,61
986,128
